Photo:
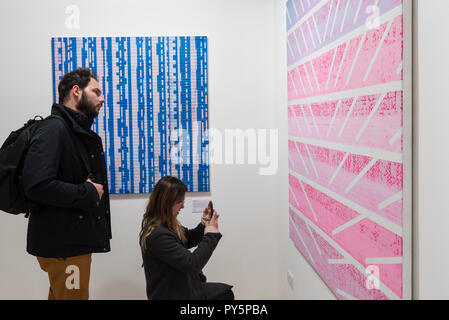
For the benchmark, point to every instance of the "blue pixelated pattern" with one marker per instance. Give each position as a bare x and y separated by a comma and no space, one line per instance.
154,121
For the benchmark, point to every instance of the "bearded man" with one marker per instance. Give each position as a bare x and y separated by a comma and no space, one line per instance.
65,175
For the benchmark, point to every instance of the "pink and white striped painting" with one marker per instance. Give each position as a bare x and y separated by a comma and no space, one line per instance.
345,112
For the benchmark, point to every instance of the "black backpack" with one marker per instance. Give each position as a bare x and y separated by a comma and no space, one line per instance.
12,156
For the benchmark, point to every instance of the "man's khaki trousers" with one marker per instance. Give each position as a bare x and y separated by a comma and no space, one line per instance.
69,277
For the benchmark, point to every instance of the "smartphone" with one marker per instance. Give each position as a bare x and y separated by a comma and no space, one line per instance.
211,207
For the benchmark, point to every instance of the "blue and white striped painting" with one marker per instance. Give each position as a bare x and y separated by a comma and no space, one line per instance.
155,119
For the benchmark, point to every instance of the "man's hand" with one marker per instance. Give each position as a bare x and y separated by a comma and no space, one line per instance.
97,186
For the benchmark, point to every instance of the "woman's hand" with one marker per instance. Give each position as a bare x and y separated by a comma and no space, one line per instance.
206,215
212,225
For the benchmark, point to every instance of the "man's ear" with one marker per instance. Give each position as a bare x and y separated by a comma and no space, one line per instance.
76,90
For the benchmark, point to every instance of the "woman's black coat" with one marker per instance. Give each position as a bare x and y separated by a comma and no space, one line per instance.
172,271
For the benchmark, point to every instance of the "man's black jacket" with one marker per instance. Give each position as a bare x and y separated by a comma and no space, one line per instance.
69,220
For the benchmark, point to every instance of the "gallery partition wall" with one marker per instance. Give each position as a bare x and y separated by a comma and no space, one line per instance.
349,112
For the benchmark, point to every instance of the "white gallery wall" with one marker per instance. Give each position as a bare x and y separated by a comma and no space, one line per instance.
246,91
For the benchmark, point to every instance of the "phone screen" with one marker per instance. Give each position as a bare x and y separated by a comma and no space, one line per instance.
211,207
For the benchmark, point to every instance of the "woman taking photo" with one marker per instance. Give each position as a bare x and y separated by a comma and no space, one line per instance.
171,270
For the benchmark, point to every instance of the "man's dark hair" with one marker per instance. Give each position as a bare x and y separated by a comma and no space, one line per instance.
79,77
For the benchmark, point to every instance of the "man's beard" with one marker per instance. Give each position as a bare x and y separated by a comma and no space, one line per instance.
87,108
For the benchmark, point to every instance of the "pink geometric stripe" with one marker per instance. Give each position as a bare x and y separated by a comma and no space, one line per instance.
326,249
391,275
342,125
390,55
381,242
381,182
330,213
343,277
297,241
298,198
377,242
375,62
297,9
334,20
375,239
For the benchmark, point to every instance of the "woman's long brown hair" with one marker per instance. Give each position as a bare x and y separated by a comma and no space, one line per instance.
166,193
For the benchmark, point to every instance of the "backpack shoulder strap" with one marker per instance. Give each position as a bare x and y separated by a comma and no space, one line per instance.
75,140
